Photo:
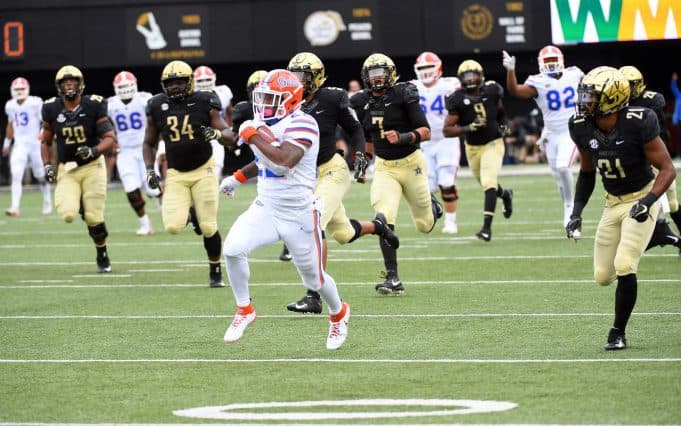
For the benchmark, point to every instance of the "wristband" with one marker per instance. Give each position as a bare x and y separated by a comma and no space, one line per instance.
6,143
248,133
240,176
417,136
404,138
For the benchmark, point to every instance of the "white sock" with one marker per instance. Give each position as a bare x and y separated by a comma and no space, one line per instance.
329,293
239,273
144,221
16,193
450,217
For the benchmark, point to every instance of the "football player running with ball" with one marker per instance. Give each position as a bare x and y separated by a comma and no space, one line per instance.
622,143
285,141
81,127
187,120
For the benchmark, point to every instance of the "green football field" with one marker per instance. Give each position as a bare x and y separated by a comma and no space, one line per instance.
506,332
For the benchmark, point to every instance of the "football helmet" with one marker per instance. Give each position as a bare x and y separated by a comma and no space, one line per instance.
277,95
379,72
69,72
176,70
125,85
550,61
19,88
204,78
310,71
428,67
603,91
471,75
636,83
253,81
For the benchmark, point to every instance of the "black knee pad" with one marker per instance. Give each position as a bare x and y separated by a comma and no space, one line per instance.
358,229
136,200
213,245
449,193
98,233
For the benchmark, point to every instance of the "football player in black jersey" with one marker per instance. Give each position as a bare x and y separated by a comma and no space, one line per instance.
187,120
239,156
80,125
394,125
642,97
476,114
622,143
330,106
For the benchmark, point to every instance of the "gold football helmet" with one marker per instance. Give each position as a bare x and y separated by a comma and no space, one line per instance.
65,73
379,72
310,71
253,81
636,82
471,75
603,91
176,70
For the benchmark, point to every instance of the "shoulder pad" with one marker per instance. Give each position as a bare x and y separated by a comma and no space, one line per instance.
490,82
410,90
95,98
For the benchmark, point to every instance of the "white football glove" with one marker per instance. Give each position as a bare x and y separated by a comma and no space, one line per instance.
228,185
508,61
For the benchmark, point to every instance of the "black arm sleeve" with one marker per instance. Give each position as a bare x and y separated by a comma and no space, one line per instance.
417,117
348,121
583,190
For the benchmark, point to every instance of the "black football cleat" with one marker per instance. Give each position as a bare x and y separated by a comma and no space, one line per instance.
392,284
285,255
484,234
103,264
388,235
216,281
309,304
438,211
194,220
507,198
616,340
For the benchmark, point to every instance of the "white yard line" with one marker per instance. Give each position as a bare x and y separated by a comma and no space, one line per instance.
317,317
340,361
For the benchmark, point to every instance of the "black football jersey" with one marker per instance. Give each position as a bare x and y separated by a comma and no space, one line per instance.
241,112
331,107
74,128
655,101
621,161
485,106
179,124
398,109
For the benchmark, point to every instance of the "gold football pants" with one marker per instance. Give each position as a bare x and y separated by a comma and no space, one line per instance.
485,162
406,176
332,183
87,182
182,188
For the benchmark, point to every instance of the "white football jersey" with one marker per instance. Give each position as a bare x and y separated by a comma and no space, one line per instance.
225,95
26,118
557,97
129,119
433,103
296,188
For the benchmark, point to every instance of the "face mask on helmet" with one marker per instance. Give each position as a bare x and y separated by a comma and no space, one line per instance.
279,94
175,88
125,85
204,78
550,61
471,81
603,91
70,88
20,88
378,78
428,67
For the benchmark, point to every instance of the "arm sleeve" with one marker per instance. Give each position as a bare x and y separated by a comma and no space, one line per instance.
348,121
583,190
651,127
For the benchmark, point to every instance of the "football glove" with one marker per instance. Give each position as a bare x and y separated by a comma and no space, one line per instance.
476,125
641,210
50,173
505,130
228,185
360,166
153,180
574,228
87,152
210,133
508,61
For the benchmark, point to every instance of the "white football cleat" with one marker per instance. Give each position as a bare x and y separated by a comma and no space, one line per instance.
450,228
144,230
338,328
243,317
12,212
47,208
